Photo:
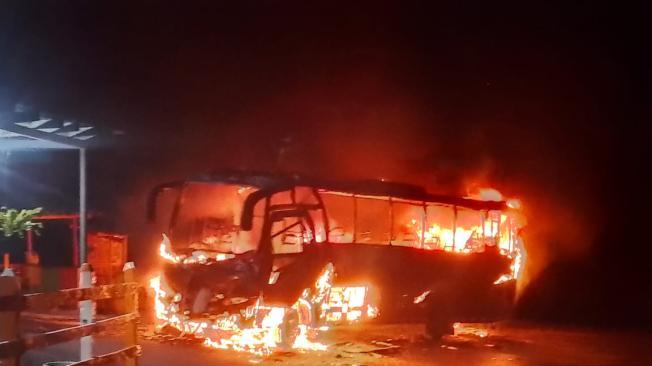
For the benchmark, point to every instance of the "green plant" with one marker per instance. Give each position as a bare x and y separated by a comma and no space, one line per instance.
18,222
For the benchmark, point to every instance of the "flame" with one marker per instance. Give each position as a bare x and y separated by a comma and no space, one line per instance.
498,228
229,331
502,279
419,299
266,335
487,194
514,203
198,256
372,311
260,329
349,304
474,329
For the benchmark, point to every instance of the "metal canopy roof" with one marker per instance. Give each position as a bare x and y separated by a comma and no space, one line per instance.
24,129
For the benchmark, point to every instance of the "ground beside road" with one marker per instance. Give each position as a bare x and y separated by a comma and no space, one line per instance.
508,345
397,344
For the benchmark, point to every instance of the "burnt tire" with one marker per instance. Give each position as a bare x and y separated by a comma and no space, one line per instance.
438,326
289,328
444,309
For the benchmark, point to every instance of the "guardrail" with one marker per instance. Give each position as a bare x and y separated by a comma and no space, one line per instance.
12,302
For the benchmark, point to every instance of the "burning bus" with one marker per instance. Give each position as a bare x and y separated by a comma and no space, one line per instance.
258,261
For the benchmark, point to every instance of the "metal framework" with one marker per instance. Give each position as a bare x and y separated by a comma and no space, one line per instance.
25,129
270,184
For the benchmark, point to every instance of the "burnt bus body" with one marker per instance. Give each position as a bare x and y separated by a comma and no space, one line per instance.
271,237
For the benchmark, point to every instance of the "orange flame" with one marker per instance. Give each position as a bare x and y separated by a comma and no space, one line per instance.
228,331
349,304
198,256
268,331
501,230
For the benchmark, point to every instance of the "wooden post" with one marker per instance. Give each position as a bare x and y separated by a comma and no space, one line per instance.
30,243
126,305
86,312
9,286
6,263
32,271
130,306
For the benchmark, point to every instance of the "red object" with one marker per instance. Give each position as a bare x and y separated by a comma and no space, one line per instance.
107,254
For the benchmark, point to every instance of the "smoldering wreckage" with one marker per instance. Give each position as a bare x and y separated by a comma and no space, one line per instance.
259,262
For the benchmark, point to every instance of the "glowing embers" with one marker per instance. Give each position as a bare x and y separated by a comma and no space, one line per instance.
197,256
419,299
487,194
257,329
349,304
471,329
469,231
271,328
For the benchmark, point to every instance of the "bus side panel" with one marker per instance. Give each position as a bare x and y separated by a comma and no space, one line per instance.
399,274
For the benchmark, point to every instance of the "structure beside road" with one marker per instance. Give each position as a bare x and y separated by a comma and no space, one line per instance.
12,302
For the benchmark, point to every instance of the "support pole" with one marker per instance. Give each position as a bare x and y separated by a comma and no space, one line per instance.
9,286
32,271
82,205
130,306
128,276
86,312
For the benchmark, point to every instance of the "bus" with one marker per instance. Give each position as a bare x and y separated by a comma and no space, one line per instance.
348,251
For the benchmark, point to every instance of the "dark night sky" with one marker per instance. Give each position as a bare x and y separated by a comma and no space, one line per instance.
548,103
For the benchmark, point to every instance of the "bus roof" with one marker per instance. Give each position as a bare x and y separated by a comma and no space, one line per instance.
278,182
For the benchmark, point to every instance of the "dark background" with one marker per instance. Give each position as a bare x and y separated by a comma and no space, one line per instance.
546,102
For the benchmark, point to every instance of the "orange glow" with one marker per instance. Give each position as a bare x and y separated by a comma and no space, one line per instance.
474,329
198,256
229,331
260,329
349,304
419,299
495,228
514,203
488,194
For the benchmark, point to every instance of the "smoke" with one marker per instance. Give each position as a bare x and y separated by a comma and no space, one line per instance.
372,92
452,98
375,130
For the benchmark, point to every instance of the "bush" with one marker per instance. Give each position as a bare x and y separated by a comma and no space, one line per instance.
17,222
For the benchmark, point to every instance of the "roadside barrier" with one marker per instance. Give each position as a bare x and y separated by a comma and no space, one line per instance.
13,302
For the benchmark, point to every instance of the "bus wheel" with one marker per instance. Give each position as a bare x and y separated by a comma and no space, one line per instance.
289,328
438,326
444,309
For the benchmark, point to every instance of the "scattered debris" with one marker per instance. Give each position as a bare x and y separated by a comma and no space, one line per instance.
452,348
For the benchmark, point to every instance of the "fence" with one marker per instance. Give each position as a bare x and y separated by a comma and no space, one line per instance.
12,302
